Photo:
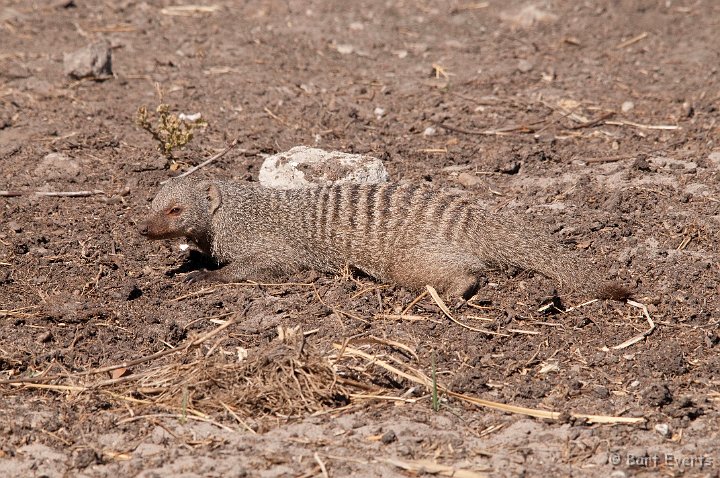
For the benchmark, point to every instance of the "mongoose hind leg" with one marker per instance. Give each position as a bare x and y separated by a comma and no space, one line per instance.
457,275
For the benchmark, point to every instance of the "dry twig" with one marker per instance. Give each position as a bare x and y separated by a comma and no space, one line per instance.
206,162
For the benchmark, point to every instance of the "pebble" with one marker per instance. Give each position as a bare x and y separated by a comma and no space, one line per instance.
429,131
468,180
379,112
92,61
627,106
344,49
388,437
45,337
663,429
525,66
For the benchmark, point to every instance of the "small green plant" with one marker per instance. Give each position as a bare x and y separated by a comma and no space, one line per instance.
435,397
169,130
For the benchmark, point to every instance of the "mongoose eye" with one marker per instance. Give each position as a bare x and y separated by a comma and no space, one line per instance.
174,211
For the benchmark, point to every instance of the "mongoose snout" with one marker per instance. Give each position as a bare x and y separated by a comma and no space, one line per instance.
407,234
163,224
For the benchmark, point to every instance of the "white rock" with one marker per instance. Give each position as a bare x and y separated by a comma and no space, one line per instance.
190,117
429,131
379,112
345,49
663,429
627,106
303,166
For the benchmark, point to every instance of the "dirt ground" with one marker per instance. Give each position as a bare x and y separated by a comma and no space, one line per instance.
597,119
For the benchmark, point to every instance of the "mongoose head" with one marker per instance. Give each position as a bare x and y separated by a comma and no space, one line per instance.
183,208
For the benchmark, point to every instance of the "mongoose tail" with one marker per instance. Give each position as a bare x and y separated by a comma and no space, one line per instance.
524,248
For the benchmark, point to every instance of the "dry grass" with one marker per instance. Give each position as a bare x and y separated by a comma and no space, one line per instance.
287,377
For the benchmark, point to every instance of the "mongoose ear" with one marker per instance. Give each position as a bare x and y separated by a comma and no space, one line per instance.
215,197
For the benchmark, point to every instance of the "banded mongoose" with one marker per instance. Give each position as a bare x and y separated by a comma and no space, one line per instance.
407,234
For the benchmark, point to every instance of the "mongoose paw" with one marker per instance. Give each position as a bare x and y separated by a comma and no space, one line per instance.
204,276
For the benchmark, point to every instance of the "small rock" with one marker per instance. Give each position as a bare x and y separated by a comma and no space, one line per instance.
191,118
524,66
468,180
14,226
57,166
303,166
83,458
388,437
92,61
45,337
714,158
379,112
687,110
627,106
601,392
663,429
429,131
345,49
528,16
508,167
641,164
404,450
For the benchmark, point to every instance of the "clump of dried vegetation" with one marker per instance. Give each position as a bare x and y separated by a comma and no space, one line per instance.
170,131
